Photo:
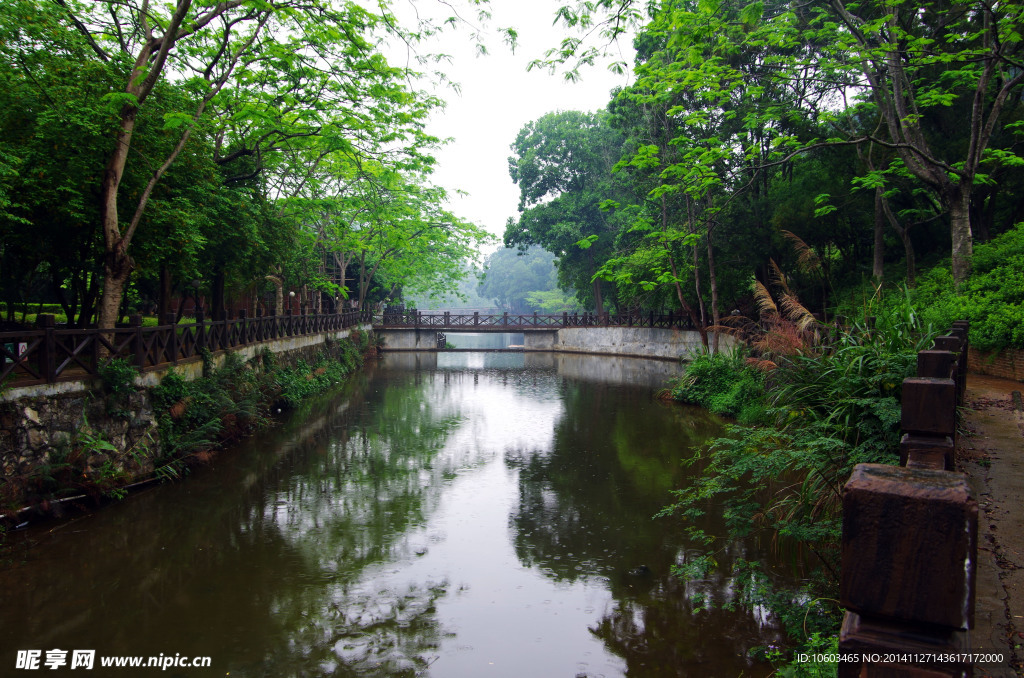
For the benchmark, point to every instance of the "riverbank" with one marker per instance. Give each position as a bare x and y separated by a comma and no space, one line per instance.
92,446
992,455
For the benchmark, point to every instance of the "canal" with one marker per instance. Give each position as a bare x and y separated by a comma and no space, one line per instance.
446,515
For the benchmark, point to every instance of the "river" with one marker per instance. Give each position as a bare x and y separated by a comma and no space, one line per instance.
446,515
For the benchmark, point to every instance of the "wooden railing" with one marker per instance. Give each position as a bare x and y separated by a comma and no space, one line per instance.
511,322
909,548
49,354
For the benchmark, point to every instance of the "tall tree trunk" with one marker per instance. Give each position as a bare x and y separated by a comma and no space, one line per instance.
877,261
697,322
596,286
701,330
960,229
715,313
598,300
278,294
696,265
908,246
117,265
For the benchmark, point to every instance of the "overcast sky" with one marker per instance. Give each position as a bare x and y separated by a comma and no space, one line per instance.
498,97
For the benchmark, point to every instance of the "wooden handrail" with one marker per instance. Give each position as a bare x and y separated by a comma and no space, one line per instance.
48,354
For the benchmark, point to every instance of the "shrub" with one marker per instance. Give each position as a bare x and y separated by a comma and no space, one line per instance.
118,377
992,298
827,408
724,384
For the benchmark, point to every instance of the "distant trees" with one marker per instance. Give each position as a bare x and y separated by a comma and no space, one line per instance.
563,164
513,279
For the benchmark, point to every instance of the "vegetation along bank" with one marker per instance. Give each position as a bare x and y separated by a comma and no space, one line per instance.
87,446
810,402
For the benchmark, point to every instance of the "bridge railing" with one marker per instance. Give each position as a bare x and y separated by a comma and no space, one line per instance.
454,321
50,354
909,546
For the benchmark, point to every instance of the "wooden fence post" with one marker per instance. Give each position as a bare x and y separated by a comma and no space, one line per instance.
928,423
48,347
908,565
200,330
138,344
172,339
909,546
243,317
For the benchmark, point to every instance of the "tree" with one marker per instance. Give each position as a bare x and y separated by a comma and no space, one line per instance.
511,276
563,164
272,73
911,62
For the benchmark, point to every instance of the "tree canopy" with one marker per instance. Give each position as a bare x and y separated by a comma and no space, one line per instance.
247,143
801,144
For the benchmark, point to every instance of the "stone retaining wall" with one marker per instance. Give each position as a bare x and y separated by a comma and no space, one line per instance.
45,430
1008,363
643,342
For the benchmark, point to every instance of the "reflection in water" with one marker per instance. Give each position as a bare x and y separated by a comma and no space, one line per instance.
484,339
448,515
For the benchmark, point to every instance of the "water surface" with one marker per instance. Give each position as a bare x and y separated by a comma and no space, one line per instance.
459,514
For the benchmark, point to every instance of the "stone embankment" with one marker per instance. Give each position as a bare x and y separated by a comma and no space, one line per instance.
72,439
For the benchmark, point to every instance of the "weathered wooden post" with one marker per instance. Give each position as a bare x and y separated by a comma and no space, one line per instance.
961,329
908,563
928,423
504,318
171,346
447,317
230,335
200,330
48,348
476,318
956,345
138,344
243,317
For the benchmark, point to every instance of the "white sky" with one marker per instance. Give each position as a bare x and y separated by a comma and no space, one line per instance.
498,97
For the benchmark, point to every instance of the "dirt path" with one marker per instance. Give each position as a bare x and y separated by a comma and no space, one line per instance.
992,455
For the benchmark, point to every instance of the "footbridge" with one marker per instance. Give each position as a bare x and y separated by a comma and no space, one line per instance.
647,335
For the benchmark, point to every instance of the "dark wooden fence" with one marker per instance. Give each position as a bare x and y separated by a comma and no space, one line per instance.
909,547
50,354
506,321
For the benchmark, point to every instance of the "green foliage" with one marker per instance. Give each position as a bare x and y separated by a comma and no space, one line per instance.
822,410
198,415
725,384
303,380
816,646
563,164
118,377
553,302
992,298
